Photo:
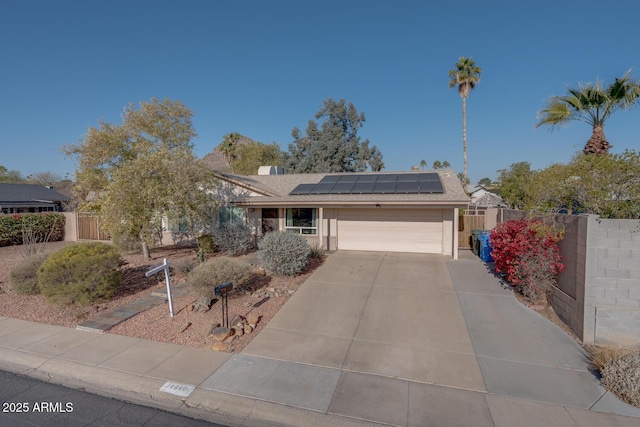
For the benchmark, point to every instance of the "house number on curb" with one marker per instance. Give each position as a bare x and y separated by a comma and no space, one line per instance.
155,269
178,389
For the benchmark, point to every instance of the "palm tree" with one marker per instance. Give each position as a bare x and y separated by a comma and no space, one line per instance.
593,104
228,147
465,75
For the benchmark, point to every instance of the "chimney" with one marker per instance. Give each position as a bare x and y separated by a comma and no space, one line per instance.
270,170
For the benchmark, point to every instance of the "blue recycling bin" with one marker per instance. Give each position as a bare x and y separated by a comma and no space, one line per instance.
485,246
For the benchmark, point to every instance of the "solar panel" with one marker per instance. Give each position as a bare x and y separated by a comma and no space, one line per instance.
407,187
384,188
408,177
348,178
367,178
330,178
322,188
342,188
387,178
430,176
302,189
387,183
430,187
363,188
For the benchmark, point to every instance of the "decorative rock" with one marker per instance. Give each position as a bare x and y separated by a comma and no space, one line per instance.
203,304
239,331
253,318
219,346
271,290
219,333
190,307
185,326
237,319
230,339
248,329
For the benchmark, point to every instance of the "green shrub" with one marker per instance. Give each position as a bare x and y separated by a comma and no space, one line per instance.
205,277
234,239
81,274
24,276
39,227
206,243
284,252
622,376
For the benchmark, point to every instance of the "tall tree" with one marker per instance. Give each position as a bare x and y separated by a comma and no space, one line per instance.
228,147
7,175
441,165
143,169
45,178
334,146
592,103
465,74
515,185
249,157
605,185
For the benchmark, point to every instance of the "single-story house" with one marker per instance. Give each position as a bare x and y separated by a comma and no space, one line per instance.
30,198
371,211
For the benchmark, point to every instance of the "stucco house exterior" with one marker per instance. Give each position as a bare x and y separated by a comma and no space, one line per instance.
371,211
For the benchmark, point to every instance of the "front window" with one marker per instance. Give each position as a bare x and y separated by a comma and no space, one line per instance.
230,215
302,220
179,224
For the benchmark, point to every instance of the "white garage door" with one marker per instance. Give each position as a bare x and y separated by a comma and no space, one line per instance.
394,230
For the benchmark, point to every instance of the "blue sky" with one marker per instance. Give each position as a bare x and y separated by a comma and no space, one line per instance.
261,68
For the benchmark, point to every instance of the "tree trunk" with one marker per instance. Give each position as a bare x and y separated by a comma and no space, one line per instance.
145,249
464,134
597,144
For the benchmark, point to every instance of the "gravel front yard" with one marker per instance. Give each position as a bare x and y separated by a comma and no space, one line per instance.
187,327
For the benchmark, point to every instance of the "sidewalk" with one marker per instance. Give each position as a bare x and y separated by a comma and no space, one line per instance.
247,390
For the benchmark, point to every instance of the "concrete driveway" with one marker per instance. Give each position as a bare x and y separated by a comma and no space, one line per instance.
389,314
414,340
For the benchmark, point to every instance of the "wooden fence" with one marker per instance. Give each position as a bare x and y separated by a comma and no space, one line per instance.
466,224
88,227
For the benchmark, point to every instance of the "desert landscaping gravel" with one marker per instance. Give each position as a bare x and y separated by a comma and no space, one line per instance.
188,328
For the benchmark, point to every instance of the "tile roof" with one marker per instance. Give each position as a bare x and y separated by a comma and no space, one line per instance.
275,189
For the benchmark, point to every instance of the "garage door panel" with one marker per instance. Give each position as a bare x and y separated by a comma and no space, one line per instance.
418,230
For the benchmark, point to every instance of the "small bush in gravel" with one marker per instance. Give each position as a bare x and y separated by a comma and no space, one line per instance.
284,253
316,252
205,277
81,274
24,276
622,376
234,239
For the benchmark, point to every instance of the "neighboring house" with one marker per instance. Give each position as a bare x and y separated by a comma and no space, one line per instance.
30,198
482,198
374,211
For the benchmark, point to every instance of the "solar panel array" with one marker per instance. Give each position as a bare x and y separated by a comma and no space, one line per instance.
406,183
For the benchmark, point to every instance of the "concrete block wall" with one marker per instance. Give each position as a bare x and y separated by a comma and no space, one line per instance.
612,288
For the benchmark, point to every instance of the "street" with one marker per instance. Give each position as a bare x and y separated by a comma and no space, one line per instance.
29,402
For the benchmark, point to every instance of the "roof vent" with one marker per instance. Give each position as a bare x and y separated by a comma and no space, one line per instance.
270,170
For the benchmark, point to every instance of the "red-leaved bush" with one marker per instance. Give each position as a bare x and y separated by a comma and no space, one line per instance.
526,252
